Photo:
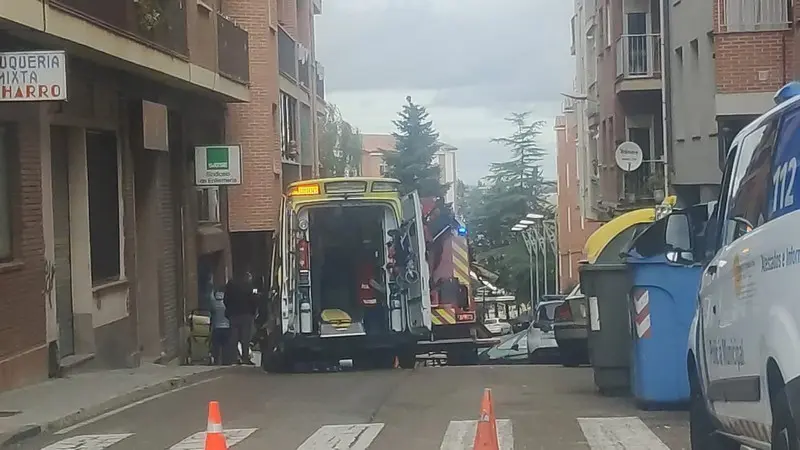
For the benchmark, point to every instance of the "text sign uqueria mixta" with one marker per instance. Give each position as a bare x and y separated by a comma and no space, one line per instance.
33,76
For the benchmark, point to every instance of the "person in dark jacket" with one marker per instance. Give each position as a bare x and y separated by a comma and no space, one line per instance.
240,308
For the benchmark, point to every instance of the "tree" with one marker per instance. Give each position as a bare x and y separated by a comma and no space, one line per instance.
339,145
416,142
512,189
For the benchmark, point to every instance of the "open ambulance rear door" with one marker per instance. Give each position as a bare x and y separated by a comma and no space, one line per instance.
418,301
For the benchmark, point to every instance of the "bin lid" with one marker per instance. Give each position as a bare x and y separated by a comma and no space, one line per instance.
601,238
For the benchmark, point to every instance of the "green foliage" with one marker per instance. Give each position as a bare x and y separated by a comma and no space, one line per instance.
512,189
339,145
416,142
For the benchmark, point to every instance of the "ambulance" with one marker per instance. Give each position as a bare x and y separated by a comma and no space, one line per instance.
350,283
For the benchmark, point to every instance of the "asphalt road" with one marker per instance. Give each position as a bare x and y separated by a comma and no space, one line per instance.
541,407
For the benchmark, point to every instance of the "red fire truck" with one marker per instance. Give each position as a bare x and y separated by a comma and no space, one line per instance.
456,330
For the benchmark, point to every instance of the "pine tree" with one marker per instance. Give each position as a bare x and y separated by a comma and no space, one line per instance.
416,142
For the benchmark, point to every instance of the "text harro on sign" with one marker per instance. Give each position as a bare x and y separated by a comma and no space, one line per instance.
33,76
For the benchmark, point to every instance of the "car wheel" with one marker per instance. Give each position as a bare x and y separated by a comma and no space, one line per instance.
702,432
784,431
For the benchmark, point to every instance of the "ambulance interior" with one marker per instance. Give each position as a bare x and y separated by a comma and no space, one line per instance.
348,248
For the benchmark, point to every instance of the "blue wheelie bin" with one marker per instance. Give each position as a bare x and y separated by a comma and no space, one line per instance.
663,302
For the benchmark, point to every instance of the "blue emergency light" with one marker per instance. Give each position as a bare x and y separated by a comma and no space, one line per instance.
790,90
462,231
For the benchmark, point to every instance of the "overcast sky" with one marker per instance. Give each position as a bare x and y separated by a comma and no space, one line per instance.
469,63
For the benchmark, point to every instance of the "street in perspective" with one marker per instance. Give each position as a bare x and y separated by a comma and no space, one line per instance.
310,225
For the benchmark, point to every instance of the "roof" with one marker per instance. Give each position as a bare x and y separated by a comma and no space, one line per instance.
377,143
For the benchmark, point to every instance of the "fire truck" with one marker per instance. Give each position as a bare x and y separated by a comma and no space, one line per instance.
456,331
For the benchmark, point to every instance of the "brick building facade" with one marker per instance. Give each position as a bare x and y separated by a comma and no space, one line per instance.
572,228
106,223
277,129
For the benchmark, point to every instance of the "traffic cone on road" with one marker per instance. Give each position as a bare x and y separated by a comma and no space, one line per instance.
486,434
215,438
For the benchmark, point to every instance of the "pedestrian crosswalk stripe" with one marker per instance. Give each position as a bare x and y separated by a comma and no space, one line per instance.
460,435
88,442
197,440
619,433
351,437
601,433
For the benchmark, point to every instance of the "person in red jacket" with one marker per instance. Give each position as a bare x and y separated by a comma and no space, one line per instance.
369,289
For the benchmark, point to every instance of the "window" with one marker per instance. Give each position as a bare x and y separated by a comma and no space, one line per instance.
104,207
288,111
609,30
208,204
785,192
6,224
567,174
569,220
384,168
750,182
755,15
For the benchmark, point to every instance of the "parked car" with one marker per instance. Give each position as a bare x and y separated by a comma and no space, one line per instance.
497,326
541,341
744,349
571,329
513,350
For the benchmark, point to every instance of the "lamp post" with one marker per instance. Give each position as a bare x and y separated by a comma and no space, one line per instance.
530,237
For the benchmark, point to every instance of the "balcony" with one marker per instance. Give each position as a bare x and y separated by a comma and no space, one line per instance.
232,50
157,23
638,59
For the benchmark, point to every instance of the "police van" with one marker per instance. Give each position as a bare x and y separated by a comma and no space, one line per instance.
743,356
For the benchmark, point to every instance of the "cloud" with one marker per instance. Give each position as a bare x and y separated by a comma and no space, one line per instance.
515,50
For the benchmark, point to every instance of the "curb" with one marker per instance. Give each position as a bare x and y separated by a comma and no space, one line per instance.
24,432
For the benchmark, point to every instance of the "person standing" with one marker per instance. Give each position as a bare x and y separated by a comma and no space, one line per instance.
240,308
221,341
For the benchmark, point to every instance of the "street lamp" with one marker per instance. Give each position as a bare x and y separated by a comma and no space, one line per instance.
523,226
534,216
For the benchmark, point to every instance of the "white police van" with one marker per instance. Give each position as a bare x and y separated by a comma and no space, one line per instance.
744,346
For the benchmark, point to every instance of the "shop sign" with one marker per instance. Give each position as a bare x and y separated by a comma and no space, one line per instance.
218,165
33,76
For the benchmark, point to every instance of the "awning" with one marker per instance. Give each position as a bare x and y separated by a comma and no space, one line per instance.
600,238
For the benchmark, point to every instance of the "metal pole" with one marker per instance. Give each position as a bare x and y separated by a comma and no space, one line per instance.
529,247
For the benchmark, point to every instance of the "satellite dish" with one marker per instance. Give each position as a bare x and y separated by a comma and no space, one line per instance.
629,156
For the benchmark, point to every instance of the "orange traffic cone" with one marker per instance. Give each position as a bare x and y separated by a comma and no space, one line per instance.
215,438
486,434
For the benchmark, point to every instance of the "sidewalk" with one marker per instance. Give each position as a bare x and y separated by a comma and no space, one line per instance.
62,402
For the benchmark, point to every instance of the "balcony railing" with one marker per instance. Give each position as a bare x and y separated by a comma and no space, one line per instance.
287,54
233,53
320,79
158,22
639,56
753,15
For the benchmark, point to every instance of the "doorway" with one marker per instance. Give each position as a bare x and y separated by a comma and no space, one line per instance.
59,160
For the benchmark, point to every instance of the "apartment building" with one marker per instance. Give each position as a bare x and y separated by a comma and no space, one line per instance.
617,48
102,230
373,164
727,60
573,228
278,128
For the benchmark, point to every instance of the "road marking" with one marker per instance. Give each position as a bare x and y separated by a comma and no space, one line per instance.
197,441
460,435
341,437
619,433
132,405
88,442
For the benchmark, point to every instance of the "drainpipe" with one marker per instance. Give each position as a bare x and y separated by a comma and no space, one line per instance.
665,92
313,81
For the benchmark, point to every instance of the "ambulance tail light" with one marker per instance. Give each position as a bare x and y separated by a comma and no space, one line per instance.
302,254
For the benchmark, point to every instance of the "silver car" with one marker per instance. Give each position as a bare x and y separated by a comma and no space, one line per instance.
497,326
542,345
